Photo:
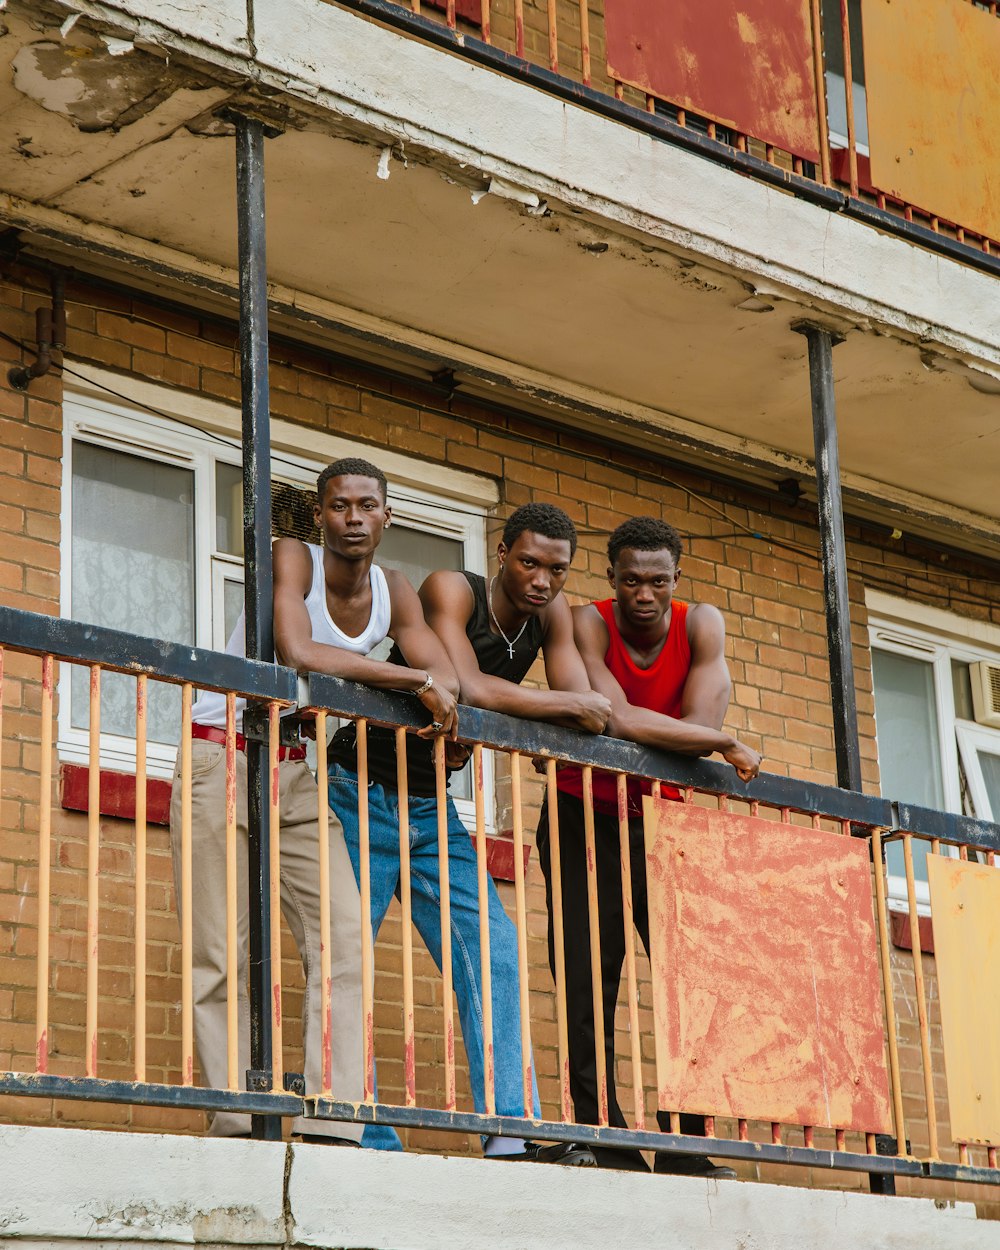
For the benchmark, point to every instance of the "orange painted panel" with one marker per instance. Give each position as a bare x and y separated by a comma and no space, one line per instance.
748,65
965,904
933,83
766,993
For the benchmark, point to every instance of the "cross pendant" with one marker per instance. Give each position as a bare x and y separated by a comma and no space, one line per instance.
510,649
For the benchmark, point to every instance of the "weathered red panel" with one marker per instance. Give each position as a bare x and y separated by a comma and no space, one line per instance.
748,65
765,971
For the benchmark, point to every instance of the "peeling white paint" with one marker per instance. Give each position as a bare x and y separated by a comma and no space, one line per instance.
87,82
383,164
508,191
69,23
119,47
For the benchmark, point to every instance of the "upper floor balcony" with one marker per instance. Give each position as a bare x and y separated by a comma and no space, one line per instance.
606,213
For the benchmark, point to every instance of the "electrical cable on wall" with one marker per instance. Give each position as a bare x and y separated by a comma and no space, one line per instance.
739,529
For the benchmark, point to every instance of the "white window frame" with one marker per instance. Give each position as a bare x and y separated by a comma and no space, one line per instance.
119,427
973,738
93,416
937,637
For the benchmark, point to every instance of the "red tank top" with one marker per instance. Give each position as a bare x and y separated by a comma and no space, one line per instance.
659,688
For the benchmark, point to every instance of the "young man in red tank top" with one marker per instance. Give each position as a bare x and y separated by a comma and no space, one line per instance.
661,664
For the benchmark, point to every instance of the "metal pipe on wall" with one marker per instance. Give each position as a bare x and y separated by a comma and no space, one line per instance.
833,549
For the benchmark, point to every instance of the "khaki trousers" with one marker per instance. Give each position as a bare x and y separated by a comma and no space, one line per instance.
299,849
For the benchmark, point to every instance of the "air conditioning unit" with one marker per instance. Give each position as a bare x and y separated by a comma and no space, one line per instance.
986,693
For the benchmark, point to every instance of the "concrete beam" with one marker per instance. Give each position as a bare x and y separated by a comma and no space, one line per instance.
85,1188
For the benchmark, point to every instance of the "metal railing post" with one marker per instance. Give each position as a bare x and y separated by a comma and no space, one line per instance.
834,552
833,547
258,590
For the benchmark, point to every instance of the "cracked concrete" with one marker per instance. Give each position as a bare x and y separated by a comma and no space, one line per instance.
82,1188
92,85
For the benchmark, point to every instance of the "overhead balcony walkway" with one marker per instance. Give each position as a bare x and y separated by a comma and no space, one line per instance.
585,258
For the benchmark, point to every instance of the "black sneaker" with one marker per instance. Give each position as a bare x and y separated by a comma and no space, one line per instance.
693,1165
567,1154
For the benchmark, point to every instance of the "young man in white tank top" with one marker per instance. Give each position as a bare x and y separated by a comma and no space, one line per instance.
332,606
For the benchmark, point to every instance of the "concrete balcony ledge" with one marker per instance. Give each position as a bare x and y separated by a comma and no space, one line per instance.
80,1188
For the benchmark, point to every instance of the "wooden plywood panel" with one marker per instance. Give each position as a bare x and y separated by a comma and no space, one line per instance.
933,84
748,64
965,905
765,970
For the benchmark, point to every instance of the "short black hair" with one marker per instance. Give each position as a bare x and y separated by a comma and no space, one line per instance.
540,518
644,533
352,466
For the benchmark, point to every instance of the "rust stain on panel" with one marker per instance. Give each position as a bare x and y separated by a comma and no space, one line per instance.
965,904
933,85
765,970
749,66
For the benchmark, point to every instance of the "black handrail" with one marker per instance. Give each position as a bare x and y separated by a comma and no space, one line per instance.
172,662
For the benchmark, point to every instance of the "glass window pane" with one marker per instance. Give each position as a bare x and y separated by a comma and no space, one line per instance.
416,554
907,730
961,682
833,39
133,569
232,597
229,509
990,764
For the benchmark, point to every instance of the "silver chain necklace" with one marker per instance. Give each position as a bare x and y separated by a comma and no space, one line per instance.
493,616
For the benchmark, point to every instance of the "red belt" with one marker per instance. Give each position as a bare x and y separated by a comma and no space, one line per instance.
211,734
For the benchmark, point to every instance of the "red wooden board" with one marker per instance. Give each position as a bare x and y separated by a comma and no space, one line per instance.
468,10
748,65
766,990
117,794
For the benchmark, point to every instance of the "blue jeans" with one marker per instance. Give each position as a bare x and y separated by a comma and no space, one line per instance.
383,825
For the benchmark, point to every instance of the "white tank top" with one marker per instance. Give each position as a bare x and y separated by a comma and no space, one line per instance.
210,708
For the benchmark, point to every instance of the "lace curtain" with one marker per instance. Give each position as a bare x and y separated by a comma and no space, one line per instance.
133,569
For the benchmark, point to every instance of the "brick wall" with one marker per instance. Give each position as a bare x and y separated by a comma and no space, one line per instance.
752,554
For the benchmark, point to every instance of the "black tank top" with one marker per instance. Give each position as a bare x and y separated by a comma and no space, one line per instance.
494,659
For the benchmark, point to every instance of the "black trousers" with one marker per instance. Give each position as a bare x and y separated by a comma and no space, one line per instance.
576,938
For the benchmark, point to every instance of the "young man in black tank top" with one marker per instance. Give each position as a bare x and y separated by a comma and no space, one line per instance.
492,630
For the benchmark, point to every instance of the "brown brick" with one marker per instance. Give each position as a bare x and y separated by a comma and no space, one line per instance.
138,334
167,369
199,351
472,458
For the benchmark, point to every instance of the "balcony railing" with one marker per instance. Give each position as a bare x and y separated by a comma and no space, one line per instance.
800,1050
749,88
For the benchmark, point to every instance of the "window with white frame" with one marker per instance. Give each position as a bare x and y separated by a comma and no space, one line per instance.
932,750
153,544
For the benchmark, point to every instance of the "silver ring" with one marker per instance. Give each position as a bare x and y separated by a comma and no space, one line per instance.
437,725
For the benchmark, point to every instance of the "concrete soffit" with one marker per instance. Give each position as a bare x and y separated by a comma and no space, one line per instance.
322,323
299,59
